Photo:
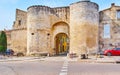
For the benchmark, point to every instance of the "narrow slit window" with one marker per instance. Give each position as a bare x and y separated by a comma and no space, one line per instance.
32,33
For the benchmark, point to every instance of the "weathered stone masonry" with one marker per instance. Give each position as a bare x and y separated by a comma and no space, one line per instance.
109,17
84,21
42,29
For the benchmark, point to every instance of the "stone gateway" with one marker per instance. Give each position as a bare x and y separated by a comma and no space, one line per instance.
79,28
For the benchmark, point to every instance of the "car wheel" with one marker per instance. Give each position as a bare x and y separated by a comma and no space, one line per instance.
20,54
109,54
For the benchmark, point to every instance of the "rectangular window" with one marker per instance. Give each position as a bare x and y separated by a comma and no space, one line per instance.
118,14
106,31
19,22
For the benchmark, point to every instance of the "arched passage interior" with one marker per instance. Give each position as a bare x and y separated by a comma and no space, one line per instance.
61,44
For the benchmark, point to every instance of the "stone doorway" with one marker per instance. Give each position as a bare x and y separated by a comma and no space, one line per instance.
61,44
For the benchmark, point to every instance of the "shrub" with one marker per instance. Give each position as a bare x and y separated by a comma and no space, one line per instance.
3,42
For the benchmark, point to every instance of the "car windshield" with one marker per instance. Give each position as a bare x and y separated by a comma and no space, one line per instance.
117,48
110,48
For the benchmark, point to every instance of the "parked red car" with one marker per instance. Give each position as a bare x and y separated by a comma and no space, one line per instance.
112,52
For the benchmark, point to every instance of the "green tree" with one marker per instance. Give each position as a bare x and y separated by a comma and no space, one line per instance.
3,42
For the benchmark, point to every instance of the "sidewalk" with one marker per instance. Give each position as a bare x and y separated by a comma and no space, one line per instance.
11,58
91,59
104,59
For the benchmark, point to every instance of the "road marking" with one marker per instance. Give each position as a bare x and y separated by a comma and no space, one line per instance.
64,68
65,65
63,73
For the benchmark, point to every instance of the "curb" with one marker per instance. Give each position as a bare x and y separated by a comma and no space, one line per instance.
100,61
91,60
24,59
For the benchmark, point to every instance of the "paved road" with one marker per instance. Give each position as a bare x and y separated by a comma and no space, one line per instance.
30,68
77,68
62,67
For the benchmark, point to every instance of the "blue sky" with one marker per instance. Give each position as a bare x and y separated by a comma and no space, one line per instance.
8,7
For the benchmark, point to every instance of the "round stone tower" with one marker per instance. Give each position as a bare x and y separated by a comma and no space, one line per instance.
84,21
38,29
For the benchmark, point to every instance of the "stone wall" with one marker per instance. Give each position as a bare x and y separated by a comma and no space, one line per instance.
8,34
19,40
21,19
63,13
58,28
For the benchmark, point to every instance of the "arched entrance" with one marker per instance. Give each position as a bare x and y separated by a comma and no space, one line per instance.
61,44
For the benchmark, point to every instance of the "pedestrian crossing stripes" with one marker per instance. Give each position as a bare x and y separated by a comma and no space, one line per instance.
64,68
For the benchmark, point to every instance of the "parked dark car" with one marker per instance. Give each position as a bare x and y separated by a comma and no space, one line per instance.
9,52
112,52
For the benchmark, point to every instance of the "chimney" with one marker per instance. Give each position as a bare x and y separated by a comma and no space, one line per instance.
113,4
86,0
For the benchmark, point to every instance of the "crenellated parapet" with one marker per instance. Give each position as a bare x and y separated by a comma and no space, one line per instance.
42,8
59,13
62,12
